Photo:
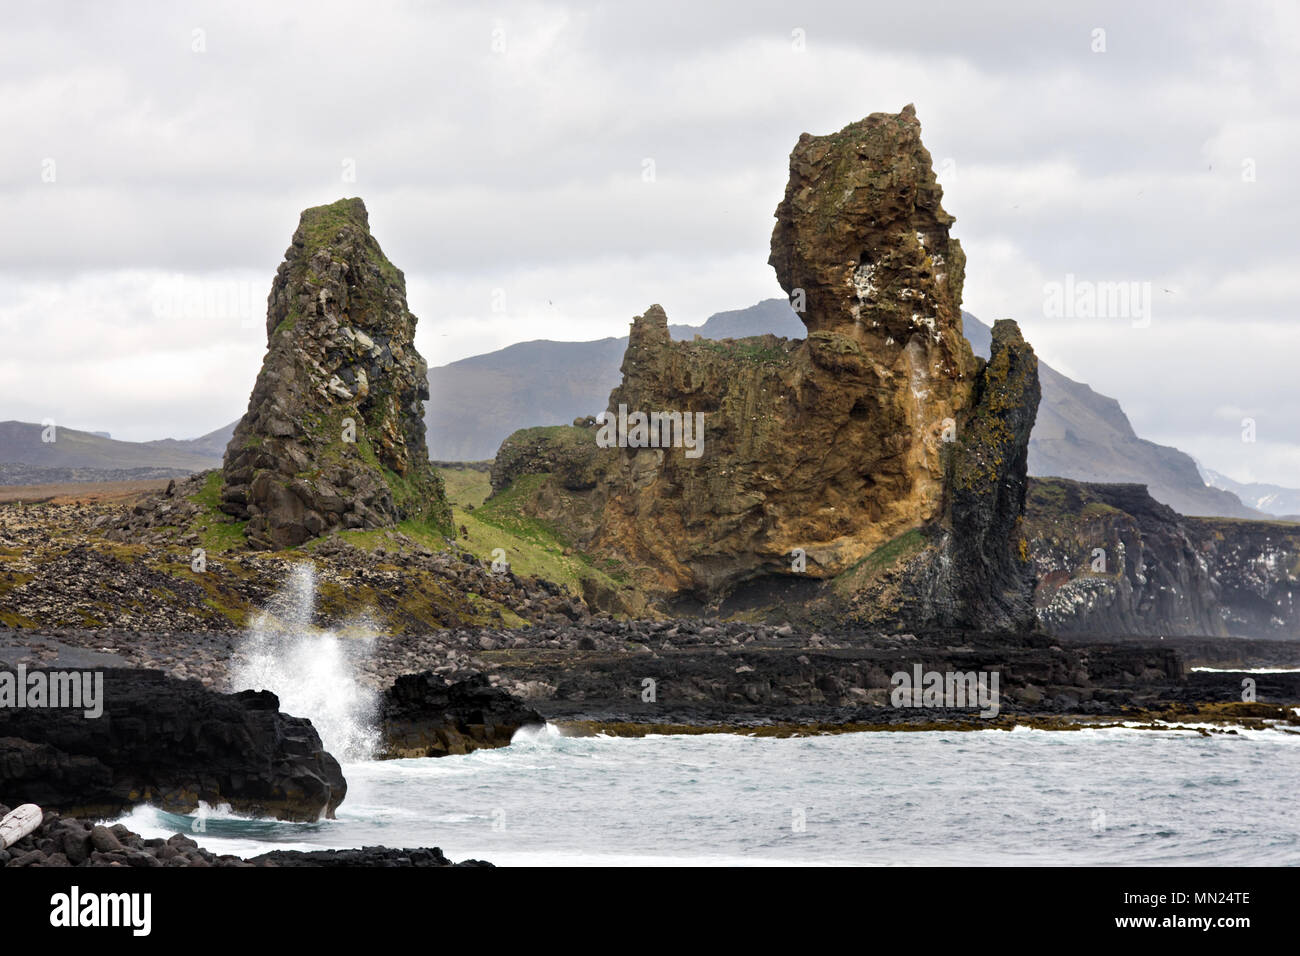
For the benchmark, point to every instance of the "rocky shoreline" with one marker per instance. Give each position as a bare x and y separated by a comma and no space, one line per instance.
618,678
140,736
731,673
62,841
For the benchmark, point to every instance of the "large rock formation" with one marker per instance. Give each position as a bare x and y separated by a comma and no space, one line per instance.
970,568
862,233
818,453
334,433
168,742
984,555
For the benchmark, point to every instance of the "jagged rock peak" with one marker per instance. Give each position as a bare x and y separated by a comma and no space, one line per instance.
650,328
335,233
989,484
862,238
334,433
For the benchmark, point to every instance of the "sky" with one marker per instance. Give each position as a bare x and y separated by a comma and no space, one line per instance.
550,170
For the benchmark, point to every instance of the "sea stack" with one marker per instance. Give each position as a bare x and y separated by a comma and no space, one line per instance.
334,432
878,444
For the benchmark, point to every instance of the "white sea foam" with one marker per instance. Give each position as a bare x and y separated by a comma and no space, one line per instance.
537,735
312,670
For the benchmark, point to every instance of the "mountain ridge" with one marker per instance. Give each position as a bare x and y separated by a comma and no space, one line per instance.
77,455
1086,436
1271,499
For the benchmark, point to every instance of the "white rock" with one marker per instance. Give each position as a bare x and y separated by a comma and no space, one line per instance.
337,387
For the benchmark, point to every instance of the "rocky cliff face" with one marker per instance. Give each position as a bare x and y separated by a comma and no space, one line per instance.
862,233
334,433
1112,560
971,567
983,557
816,453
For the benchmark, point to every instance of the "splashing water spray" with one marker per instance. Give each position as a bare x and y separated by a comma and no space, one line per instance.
312,670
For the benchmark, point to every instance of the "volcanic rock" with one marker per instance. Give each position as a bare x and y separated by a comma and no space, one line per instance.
862,234
975,569
423,715
64,841
879,436
334,432
379,856
171,743
1113,560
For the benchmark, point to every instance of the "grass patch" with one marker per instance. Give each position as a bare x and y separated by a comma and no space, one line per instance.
218,531
508,513
15,621
532,546
891,554
757,350
466,486
425,533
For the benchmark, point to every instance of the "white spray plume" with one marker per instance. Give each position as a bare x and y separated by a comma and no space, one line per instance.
312,670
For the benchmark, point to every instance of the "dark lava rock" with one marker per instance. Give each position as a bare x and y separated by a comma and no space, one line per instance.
991,574
423,715
171,743
65,841
1161,573
367,856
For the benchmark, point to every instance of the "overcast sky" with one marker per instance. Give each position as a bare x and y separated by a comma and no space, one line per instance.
150,150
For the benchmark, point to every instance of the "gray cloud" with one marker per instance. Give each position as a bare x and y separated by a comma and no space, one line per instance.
522,170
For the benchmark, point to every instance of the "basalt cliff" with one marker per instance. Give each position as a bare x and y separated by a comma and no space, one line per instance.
1113,560
875,466
334,432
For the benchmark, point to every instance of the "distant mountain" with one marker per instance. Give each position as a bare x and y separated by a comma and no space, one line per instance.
770,315
1086,436
76,455
1270,499
474,404
212,445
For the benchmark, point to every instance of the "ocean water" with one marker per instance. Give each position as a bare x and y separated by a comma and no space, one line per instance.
1114,796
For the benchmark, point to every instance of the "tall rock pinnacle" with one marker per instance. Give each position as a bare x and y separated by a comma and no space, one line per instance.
861,231
334,432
